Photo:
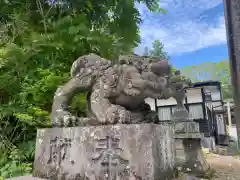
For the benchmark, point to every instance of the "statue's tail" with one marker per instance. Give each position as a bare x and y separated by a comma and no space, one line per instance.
90,64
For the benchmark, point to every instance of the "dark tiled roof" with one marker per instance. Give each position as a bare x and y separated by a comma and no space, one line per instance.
206,83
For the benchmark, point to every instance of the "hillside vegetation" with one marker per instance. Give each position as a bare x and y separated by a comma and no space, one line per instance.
212,72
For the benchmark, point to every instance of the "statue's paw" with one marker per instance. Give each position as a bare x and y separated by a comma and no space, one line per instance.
158,86
111,116
117,114
64,119
159,96
124,116
132,92
69,120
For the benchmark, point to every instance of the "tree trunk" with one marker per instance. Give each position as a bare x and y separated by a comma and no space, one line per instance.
232,18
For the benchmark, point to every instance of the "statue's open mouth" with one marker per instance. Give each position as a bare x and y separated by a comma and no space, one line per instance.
179,89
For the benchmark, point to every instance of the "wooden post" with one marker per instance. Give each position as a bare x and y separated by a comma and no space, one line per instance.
232,19
229,114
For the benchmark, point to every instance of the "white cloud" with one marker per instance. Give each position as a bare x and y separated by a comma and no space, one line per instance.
196,4
180,30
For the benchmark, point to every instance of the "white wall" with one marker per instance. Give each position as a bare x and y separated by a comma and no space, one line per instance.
151,102
164,113
215,92
194,95
233,132
166,102
220,124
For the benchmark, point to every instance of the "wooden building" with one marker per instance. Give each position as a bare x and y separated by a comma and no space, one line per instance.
204,102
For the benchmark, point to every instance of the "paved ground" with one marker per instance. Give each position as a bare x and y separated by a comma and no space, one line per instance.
227,167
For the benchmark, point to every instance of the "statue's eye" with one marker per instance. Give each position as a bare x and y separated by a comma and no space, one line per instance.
145,66
129,85
89,70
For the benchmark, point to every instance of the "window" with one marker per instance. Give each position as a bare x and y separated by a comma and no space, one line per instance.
208,97
196,111
173,109
164,113
220,124
194,95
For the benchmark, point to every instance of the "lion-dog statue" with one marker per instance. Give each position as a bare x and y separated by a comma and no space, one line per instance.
116,93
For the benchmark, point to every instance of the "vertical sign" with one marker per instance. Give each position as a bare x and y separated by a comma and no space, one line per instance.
232,19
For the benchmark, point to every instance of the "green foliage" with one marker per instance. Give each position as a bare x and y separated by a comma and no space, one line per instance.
17,162
38,43
212,72
158,50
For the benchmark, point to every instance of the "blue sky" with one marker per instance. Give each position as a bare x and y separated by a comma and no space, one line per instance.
193,31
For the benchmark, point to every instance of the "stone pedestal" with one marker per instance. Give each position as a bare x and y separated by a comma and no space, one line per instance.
191,157
186,128
25,178
136,152
194,155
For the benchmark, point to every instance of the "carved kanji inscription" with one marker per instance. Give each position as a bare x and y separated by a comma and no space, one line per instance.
58,150
107,155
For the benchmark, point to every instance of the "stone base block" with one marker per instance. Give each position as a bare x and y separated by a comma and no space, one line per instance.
189,154
189,136
181,114
186,127
25,178
192,157
136,151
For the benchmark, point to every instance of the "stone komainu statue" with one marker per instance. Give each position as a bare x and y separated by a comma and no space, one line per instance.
116,93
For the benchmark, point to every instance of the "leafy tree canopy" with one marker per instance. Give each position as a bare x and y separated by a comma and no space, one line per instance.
39,40
158,50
